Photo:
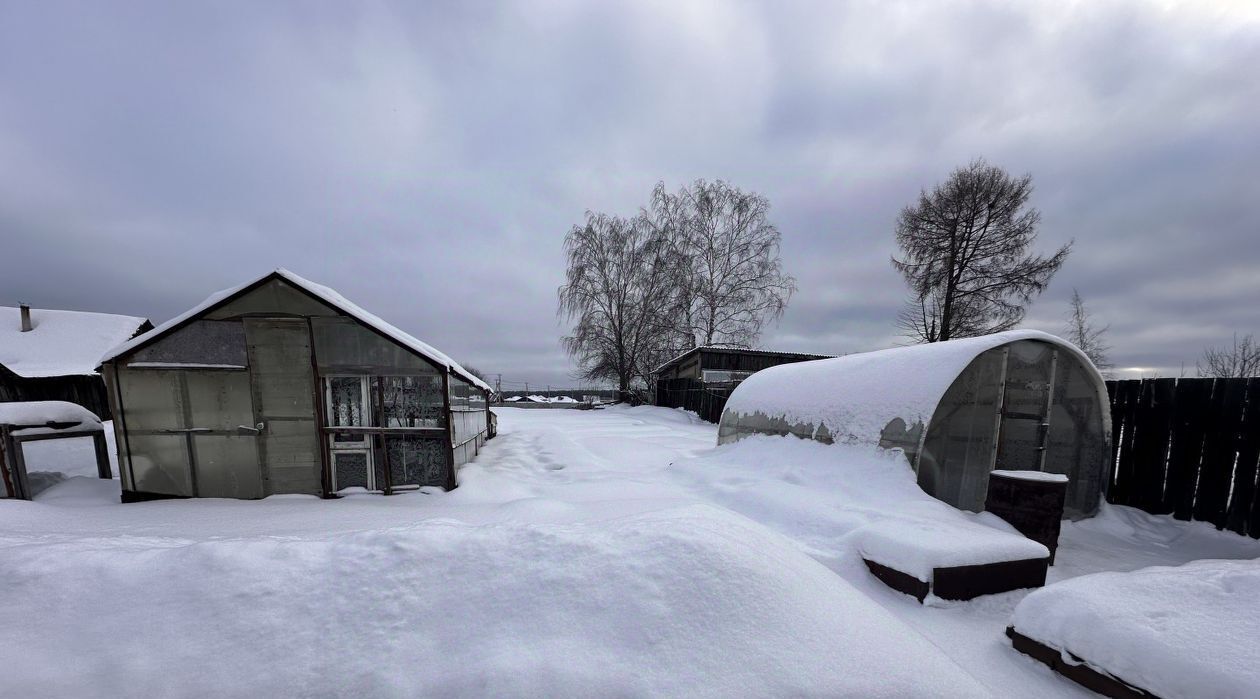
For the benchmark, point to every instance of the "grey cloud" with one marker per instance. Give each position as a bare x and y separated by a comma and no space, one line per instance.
427,159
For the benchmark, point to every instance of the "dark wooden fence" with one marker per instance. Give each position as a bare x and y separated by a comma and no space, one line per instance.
1188,448
705,400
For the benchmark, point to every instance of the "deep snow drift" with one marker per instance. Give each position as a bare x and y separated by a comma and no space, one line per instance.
681,601
582,554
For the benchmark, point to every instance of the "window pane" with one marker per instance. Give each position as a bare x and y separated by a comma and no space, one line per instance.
412,401
346,408
351,469
416,460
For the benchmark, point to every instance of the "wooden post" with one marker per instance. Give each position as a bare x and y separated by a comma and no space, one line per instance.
7,470
102,456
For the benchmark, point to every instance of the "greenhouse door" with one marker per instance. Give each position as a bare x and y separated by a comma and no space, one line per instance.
1025,414
349,404
284,401
222,434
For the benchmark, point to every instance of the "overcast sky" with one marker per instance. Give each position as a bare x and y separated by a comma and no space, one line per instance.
426,159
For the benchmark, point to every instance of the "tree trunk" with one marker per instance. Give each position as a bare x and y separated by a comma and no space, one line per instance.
947,306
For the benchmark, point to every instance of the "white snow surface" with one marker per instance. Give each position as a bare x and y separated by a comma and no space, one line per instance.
40,412
584,553
1185,631
325,294
61,343
857,395
917,547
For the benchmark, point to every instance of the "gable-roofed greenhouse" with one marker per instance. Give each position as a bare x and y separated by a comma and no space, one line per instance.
283,386
1018,400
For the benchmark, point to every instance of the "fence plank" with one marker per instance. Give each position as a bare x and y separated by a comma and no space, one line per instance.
1125,477
1192,398
1219,448
1238,514
1153,434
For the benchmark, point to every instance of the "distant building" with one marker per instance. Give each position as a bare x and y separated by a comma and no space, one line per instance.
716,364
700,378
281,385
52,355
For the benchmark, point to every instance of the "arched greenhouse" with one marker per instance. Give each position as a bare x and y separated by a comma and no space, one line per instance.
1018,400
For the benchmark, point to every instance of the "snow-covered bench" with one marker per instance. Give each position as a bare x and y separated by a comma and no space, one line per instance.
952,558
1185,631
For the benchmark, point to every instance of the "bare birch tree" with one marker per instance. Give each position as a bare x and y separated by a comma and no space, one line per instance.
965,255
1085,334
730,280
618,291
1242,359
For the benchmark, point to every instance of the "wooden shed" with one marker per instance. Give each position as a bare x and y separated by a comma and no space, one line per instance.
281,385
52,355
717,364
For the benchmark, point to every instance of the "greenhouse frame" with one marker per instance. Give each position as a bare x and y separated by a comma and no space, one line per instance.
281,385
960,409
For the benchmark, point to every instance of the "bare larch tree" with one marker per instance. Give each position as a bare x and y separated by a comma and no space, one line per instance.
1083,332
730,279
1242,359
618,291
965,255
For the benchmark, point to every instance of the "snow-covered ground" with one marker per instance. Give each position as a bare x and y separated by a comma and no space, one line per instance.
609,552
1200,645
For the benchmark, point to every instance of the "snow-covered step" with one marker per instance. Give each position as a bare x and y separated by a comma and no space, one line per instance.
952,559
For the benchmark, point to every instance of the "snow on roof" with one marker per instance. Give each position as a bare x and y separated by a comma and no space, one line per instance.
857,395
61,343
325,294
742,350
48,416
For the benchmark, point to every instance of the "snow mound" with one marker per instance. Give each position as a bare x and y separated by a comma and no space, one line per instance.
917,547
826,496
686,601
1186,631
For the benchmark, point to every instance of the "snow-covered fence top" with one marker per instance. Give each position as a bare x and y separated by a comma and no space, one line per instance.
856,396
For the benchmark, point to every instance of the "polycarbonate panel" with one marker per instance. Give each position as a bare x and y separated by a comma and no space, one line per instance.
159,464
1029,367
735,426
276,297
199,342
219,400
1077,444
416,460
342,345
227,466
957,453
151,399
466,425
